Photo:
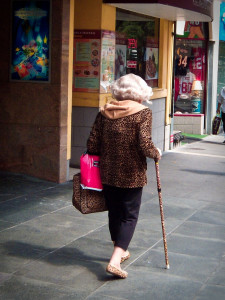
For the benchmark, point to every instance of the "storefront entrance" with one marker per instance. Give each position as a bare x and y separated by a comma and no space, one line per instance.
190,78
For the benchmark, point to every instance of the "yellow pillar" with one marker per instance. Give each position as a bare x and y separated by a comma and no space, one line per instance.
92,15
166,63
70,76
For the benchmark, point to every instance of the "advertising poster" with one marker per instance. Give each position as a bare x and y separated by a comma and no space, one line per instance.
152,61
222,21
30,40
194,30
108,60
87,55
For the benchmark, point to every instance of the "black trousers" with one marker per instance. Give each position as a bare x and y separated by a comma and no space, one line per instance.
123,205
223,119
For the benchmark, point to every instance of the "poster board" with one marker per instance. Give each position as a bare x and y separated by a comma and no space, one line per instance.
30,47
86,60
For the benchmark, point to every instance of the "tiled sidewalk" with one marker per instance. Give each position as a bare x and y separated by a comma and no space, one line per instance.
48,250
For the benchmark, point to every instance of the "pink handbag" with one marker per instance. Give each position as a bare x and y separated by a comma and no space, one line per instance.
90,172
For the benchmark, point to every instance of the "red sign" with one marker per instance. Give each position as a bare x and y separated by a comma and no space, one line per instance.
131,64
132,43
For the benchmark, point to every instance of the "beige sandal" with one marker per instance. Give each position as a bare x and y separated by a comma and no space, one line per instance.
116,272
125,256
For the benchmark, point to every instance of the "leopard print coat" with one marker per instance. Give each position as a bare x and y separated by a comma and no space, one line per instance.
123,145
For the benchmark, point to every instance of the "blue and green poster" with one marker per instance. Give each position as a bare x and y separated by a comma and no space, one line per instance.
30,40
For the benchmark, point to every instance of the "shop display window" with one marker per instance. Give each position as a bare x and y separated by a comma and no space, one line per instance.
191,68
137,46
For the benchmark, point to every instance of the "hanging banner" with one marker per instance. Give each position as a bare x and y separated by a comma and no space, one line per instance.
107,60
30,40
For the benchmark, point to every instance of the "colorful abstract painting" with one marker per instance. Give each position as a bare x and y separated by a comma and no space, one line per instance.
30,40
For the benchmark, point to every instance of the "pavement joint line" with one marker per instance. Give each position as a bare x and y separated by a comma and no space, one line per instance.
112,297
199,154
199,237
47,213
2,202
199,291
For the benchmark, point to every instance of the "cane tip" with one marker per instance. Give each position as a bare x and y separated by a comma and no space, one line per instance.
167,267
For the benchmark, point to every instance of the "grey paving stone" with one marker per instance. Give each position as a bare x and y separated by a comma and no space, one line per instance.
15,254
170,211
36,201
23,185
144,284
49,231
153,224
4,277
210,292
13,214
145,238
101,217
81,275
211,217
101,234
148,195
28,289
146,230
218,277
90,248
5,224
102,296
202,230
185,266
215,207
60,192
87,248
184,202
194,246
4,197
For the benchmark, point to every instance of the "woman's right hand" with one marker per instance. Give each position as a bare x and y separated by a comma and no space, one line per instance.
160,153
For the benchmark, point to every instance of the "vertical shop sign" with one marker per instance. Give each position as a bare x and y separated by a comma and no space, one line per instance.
108,60
30,40
120,55
86,66
132,53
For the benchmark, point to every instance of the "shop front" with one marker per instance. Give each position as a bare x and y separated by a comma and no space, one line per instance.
191,78
133,37
60,58
123,42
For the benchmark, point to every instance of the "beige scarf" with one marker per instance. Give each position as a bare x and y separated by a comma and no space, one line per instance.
119,109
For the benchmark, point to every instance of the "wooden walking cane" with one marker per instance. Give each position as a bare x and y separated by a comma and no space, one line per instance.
161,213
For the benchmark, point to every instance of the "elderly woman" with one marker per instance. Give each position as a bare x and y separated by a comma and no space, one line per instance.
121,135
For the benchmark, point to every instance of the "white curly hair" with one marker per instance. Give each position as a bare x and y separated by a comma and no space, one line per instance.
131,87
